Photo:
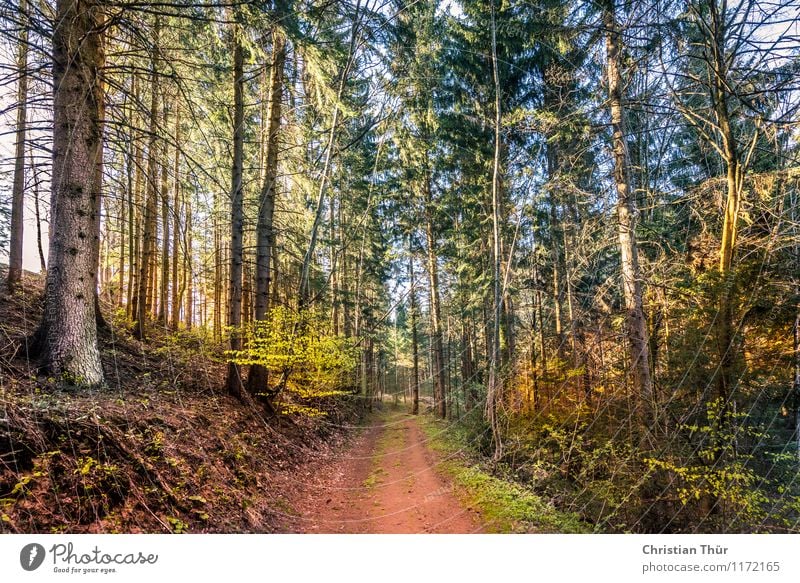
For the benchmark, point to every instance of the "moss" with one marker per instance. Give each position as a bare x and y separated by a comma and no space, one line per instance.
374,478
505,506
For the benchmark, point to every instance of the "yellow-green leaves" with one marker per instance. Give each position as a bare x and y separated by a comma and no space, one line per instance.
297,349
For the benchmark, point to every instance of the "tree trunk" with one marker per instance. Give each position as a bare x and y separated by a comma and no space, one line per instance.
175,316
131,308
37,212
165,232
719,89
18,188
626,215
796,381
414,337
305,291
265,231
144,295
216,315
437,348
234,382
493,389
67,337
188,273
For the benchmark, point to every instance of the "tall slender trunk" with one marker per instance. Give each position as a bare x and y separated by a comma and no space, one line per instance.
734,182
131,308
123,221
188,258
304,291
335,299
437,347
414,337
493,389
176,223
558,264
18,188
144,295
163,291
796,381
37,213
216,315
234,382
265,230
626,216
796,328
67,337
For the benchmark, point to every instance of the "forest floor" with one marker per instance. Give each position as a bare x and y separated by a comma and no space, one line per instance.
163,448
387,480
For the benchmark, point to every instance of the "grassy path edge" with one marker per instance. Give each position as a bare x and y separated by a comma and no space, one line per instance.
506,507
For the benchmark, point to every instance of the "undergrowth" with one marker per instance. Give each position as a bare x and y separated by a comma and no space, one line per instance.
506,507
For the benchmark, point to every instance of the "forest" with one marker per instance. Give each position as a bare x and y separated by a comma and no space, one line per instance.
304,265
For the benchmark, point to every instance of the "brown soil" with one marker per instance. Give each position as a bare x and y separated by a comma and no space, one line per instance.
385,481
162,448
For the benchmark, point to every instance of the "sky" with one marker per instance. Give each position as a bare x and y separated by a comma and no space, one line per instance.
30,254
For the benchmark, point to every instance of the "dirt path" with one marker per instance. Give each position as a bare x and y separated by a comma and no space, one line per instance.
385,482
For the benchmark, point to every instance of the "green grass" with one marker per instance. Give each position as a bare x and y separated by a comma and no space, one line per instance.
506,507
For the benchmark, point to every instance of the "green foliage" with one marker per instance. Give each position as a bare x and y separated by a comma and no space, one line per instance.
177,525
716,474
505,505
297,349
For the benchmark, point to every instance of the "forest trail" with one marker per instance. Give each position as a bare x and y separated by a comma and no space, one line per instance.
385,481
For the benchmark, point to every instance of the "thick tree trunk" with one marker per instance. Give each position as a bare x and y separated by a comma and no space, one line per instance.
18,188
626,216
67,336
265,231
234,382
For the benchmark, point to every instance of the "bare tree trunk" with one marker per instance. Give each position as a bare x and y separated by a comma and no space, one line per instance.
437,347
734,181
304,292
234,382
123,220
265,230
37,212
626,215
18,188
414,337
796,327
67,337
131,308
165,232
493,389
188,272
796,382
558,267
144,295
216,315
175,316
